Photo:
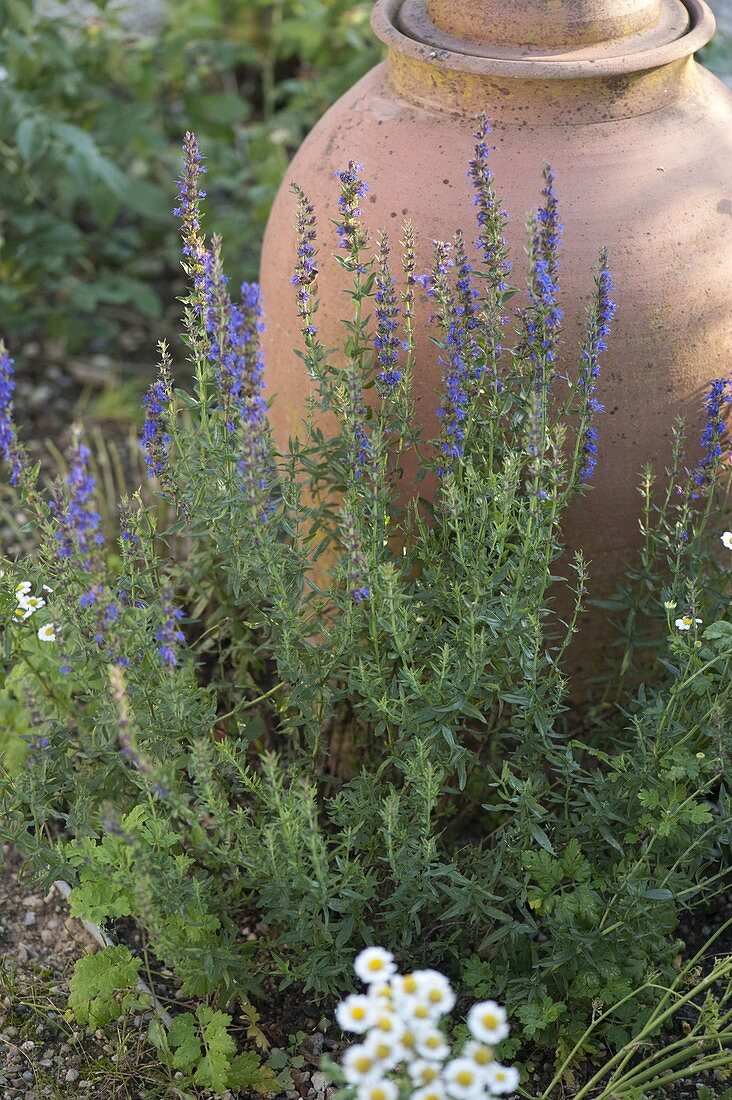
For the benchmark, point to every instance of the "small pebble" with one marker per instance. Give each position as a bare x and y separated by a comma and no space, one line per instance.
319,1081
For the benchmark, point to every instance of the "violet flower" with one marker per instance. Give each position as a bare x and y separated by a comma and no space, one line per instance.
351,234
717,397
10,450
467,307
189,203
409,266
245,329
386,341
453,409
169,634
491,218
306,270
357,582
79,522
155,437
542,320
599,320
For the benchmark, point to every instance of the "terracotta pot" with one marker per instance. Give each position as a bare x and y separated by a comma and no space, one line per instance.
640,137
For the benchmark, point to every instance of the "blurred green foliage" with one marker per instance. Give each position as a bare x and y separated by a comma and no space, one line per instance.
91,121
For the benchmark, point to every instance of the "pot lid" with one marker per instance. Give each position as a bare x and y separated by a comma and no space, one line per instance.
556,30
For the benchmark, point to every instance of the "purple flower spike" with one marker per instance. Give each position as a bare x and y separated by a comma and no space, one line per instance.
155,438
169,634
458,350
386,340
599,319
491,218
358,588
78,536
189,201
351,234
246,327
10,451
306,270
717,397
467,307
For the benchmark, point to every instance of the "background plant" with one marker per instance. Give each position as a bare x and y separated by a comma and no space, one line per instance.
91,119
306,705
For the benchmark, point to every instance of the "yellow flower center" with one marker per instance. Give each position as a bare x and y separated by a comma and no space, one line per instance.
489,1020
378,1094
382,1050
409,985
429,1073
434,996
358,1012
421,1012
375,965
483,1056
465,1078
500,1076
433,1042
363,1064
385,1023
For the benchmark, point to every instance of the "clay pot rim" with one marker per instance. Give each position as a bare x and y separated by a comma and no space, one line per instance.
701,30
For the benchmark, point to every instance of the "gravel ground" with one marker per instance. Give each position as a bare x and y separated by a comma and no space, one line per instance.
40,1053
44,1055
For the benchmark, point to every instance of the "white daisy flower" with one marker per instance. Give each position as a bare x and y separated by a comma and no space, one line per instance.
384,1022
423,1072
385,1050
487,1022
463,1079
406,986
418,1014
374,964
359,1065
686,622
435,1091
356,1013
502,1079
30,603
436,991
22,613
408,1039
47,633
727,540
481,1054
432,1046
381,994
380,1089
669,605
22,588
